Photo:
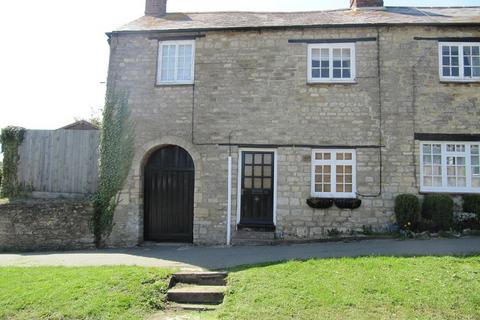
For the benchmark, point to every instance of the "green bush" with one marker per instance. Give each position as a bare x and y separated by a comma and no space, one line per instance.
407,210
439,209
471,203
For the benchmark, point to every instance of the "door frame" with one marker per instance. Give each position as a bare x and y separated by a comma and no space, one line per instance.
239,180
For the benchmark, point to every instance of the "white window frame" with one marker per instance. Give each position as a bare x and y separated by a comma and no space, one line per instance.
333,162
332,46
468,168
461,77
159,64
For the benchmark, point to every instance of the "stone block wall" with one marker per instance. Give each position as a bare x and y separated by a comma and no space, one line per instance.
33,225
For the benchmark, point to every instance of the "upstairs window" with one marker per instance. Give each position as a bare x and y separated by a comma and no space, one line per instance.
334,173
176,62
459,61
331,62
450,167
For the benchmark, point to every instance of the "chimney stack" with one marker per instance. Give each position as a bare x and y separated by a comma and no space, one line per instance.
156,8
354,4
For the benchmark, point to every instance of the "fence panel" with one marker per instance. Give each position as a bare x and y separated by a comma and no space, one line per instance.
59,161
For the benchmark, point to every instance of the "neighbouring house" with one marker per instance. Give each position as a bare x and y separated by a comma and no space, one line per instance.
80,125
322,117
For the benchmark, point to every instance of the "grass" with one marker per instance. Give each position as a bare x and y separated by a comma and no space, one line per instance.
81,293
356,288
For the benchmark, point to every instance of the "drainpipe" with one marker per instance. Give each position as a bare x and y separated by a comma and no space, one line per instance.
229,200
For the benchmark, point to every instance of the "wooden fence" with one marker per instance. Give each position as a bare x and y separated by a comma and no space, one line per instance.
59,161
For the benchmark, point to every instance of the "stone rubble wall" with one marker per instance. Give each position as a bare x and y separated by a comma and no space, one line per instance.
34,225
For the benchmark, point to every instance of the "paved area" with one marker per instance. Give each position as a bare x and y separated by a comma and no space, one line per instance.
195,258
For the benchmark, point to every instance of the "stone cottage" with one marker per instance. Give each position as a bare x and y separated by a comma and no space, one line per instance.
293,123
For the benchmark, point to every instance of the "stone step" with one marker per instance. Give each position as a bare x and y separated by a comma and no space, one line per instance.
195,294
200,278
252,242
192,307
254,235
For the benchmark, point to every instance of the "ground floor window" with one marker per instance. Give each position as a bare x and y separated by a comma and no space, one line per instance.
334,173
450,166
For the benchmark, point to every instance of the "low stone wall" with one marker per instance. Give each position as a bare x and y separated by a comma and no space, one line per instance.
33,225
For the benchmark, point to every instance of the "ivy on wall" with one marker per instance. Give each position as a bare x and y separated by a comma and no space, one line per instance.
116,154
10,138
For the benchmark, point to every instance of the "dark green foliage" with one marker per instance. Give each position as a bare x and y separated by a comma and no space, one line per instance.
439,209
10,138
116,154
471,203
333,232
407,210
367,230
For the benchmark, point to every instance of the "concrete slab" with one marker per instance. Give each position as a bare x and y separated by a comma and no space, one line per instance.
191,258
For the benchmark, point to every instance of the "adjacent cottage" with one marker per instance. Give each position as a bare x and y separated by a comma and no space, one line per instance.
293,123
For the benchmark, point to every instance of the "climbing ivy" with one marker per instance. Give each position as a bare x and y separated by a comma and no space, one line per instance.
116,154
10,138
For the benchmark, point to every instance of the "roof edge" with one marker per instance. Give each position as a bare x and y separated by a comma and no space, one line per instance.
329,26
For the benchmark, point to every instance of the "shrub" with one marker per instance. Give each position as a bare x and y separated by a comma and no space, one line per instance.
439,209
471,204
407,210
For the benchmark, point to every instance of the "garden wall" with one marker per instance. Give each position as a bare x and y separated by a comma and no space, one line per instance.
33,225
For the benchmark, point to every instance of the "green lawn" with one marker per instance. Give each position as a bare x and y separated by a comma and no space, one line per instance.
361,288
81,293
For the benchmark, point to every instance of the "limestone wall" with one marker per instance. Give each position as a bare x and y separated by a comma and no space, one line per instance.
253,87
45,225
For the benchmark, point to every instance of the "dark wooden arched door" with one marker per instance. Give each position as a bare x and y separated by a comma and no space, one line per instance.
168,195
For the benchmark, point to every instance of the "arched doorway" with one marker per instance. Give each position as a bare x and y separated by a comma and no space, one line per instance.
168,195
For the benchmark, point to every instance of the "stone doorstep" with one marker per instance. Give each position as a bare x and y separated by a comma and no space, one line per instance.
253,238
254,235
252,242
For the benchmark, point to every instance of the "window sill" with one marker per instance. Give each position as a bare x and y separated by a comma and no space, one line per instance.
454,192
350,82
335,196
174,84
459,80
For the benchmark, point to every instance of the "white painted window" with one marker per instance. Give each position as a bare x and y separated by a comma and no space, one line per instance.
331,62
334,173
450,167
459,61
176,62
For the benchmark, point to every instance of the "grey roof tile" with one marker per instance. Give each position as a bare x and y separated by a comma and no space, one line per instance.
371,16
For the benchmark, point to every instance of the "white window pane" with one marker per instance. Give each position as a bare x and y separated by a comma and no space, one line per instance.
427,181
476,182
452,182
427,148
428,170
